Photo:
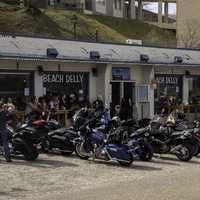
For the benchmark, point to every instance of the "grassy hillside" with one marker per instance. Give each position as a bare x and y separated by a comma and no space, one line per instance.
57,23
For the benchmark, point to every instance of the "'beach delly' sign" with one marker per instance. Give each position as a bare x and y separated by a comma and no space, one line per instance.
66,82
63,78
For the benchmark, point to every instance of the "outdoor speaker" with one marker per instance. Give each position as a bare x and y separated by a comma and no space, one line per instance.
187,73
94,55
178,59
52,53
94,72
40,69
144,58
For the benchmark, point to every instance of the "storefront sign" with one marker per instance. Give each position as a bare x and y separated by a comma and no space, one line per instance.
65,82
167,80
63,78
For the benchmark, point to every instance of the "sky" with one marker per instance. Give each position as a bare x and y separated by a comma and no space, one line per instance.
154,8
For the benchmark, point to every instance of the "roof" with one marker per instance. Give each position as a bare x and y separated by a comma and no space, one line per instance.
19,47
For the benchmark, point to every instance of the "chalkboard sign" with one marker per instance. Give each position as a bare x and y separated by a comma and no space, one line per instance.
66,82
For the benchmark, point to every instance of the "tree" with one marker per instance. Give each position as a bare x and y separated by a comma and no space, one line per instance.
190,37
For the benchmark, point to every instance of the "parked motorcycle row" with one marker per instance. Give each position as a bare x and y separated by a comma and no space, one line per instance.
94,135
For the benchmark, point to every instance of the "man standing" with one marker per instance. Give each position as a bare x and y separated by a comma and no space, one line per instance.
4,117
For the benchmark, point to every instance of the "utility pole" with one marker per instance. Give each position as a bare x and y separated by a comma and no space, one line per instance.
74,20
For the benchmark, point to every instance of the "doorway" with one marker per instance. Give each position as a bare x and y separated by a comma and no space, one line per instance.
122,89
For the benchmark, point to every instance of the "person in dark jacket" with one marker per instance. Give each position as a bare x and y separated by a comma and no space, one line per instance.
4,118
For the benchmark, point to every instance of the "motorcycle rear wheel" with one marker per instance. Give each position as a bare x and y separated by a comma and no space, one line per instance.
29,152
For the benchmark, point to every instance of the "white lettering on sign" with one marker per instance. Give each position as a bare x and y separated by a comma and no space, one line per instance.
63,78
167,80
53,78
74,78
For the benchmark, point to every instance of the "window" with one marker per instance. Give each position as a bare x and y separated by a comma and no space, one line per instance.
120,4
121,73
102,2
194,90
115,4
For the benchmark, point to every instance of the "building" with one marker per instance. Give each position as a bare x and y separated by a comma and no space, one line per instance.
188,23
38,66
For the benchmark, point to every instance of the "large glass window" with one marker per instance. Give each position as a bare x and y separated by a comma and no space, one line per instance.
194,90
17,86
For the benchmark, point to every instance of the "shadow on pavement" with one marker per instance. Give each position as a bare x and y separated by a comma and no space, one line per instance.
133,166
164,162
177,160
40,163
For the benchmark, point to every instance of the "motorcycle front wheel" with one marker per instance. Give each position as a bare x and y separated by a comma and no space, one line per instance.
126,164
80,152
185,153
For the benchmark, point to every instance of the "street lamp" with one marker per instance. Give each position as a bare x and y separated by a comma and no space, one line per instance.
74,20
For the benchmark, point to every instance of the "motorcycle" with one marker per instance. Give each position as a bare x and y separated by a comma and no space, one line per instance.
93,143
21,144
164,140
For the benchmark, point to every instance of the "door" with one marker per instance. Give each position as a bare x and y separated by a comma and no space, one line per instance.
116,93
122,89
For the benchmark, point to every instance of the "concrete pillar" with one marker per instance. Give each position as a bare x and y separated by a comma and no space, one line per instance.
160,12
108,92
38,85
151,94
21,3
140,10
132,9
166,12
185,90
83,4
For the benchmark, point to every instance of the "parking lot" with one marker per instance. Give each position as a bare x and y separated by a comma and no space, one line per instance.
55,177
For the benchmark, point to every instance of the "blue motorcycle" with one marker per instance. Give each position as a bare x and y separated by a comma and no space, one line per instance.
93,143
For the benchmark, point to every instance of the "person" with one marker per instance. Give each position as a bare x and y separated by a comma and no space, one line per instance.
62,102
32,112
126,109
10,104
98,104
4,118
54,104
43,108
81,99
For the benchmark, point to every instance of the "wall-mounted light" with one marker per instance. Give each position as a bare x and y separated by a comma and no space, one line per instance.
178,59
40,70
52,52
59,67
187,74
17,65
144,58
94,72
95,55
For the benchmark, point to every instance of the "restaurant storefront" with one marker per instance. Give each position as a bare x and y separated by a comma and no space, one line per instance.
169,90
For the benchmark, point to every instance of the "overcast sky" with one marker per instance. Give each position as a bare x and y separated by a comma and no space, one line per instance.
154,8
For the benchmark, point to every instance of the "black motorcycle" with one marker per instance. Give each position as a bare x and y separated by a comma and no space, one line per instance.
164,140
21,143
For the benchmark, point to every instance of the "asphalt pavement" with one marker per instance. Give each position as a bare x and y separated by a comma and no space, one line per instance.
54,177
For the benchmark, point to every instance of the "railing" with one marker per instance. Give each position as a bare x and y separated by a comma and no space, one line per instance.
60,115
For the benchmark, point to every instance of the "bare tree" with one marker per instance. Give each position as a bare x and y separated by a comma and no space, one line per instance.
190,37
